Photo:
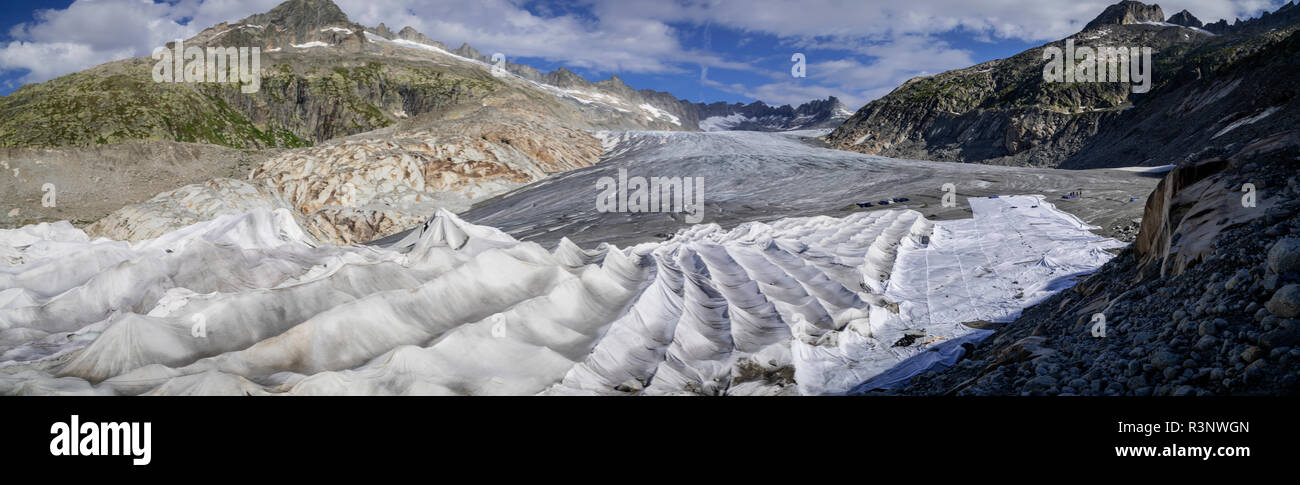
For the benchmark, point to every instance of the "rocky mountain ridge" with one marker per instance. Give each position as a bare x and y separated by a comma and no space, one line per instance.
756,116
1003,112
759,116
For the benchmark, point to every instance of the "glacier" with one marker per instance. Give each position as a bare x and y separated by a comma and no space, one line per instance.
250,304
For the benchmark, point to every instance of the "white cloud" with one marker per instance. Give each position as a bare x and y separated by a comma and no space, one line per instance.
36,57
856,81
607,44
92,32
1031,20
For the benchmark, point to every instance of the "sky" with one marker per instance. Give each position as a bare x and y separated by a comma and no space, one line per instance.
700,50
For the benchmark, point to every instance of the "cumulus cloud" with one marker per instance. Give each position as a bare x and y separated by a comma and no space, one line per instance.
92,32
35,58
1019,19
607,44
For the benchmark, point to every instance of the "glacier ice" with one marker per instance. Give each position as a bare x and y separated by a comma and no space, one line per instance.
251,304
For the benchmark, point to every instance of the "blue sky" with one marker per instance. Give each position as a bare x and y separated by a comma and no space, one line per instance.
701,50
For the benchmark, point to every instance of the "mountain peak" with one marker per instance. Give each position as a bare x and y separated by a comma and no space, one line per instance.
1186,19
303,13
409,33
614,80
466,50
295,22
1127,12
564,78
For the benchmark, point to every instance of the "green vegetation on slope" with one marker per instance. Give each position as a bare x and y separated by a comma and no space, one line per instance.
120,102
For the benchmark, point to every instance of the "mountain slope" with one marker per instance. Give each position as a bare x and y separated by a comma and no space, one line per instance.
1002,111
332,86
1216,104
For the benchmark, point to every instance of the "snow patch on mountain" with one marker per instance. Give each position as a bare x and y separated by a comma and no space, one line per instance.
656,113
1167,24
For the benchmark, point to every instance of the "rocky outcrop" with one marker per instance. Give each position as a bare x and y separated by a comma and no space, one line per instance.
409,33
1279,18
1195,203
1127,12
564,78
363,188
292,23
1166,208
1185,19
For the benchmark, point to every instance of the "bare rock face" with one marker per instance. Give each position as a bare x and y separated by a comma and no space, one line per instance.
352,225
1127,12
294,22
363,188
1168,204
409,33
1195,203
1185,19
